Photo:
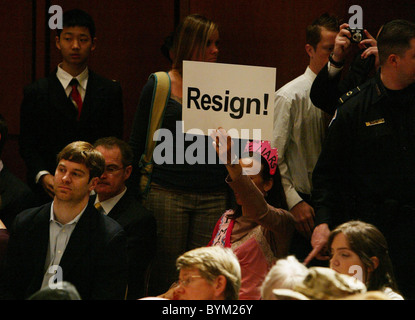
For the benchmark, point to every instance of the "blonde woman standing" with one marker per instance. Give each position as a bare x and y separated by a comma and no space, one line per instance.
187,199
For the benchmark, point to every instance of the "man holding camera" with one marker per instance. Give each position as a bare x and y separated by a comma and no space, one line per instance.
366,168
328,86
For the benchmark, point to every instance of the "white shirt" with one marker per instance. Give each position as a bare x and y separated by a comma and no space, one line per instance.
332,70
299,129
110,203
64,78
59,236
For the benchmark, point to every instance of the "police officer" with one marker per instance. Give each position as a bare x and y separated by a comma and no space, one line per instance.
366,169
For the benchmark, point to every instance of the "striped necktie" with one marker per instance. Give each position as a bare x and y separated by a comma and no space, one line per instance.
99,207
76,97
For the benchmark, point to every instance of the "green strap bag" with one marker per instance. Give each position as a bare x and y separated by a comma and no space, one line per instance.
161,95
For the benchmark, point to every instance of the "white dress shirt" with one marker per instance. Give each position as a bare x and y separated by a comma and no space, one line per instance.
65,78
332,70
110,203
299,129
59,235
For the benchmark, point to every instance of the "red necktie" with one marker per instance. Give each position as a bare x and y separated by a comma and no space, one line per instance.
76,96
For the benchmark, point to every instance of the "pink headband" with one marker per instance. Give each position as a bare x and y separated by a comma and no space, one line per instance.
268,153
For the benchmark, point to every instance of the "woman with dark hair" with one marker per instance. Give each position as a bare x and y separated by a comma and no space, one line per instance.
359,248
258,230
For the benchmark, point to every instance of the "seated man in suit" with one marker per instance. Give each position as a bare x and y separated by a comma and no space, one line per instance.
120,204
72,104
67,239
15,195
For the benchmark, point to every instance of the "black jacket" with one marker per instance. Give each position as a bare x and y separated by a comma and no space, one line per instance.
94,261
48,119
325,91
140,228
366,168
15,196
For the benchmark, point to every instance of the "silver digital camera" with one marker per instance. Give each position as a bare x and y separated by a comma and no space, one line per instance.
357,35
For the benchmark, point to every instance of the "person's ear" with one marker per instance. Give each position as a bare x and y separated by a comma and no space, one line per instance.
268,185
93,183
220,286
128,170
375,263
94,43
57,43
310,50
393,60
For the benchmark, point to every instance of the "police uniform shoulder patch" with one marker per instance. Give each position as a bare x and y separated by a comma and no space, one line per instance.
354,92
349,94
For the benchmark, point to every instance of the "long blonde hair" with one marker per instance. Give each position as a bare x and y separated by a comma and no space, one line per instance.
191,37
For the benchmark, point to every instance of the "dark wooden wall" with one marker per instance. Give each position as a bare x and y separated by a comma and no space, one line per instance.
130,33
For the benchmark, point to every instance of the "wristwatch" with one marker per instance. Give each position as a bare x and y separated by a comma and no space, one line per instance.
335,63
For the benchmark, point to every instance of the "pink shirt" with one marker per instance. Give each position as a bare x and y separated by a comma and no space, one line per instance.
258,237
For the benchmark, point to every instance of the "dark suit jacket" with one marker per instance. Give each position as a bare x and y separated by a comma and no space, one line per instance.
140,227
94,260
15,196
48,119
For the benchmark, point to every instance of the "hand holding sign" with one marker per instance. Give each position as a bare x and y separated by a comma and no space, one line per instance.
224,146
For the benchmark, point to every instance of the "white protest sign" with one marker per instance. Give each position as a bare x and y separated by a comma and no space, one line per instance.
230,96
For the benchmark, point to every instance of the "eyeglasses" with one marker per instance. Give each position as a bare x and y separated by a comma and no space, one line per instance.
112,170
185,283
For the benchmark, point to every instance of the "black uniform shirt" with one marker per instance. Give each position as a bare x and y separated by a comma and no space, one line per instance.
368,158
